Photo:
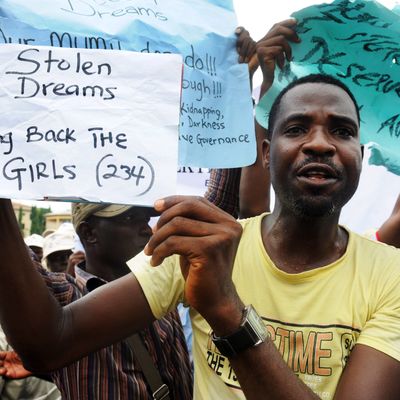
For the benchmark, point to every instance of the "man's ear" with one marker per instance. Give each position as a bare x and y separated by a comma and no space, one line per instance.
86,233
266,144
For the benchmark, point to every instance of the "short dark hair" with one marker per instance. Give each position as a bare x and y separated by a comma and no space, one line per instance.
312,78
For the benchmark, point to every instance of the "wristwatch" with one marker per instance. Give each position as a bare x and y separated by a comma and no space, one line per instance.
251,332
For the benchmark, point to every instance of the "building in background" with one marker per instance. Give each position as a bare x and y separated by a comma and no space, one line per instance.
54,220
29,219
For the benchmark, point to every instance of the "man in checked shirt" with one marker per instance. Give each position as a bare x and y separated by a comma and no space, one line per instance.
111,235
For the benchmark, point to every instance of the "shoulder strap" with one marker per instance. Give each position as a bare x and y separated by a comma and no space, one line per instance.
158,388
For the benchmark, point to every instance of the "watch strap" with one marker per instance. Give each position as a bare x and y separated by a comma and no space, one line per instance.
251,332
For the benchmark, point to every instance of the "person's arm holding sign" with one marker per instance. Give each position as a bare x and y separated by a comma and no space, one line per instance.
274,47
253,199
274,50
46,335
234,190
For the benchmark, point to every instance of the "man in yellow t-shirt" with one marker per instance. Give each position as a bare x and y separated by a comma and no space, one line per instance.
290,304
327,300
314,317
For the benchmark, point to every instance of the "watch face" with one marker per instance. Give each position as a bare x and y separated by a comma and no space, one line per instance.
256,323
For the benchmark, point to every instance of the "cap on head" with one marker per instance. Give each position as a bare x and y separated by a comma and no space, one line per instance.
62,239
34,240
48,232
82,211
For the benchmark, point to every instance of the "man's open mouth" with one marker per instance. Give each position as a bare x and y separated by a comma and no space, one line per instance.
318,172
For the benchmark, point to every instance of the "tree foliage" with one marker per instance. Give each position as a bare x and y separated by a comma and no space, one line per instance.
20,219
38,221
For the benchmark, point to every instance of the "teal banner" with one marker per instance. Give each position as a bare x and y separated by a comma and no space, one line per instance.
359,43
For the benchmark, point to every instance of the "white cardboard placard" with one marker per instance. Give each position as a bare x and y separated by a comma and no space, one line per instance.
94,125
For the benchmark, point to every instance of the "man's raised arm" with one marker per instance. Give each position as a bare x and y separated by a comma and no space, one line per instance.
389,232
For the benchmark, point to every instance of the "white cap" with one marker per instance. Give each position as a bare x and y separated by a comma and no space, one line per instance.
62,239
34,240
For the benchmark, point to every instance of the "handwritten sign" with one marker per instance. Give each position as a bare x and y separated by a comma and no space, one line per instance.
357,42
75,124
216,120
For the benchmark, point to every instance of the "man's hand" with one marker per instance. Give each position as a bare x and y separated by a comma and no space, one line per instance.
206,238
274,48
246,48
11,365
74,259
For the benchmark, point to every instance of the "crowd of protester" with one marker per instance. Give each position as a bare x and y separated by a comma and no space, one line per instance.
103,323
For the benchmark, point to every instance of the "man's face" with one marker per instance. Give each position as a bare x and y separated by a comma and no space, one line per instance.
58,261
315,155
122,237
38,251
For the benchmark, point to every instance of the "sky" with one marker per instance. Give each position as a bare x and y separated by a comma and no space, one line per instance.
257,16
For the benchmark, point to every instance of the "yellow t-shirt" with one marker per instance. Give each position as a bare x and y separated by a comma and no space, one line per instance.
315,317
